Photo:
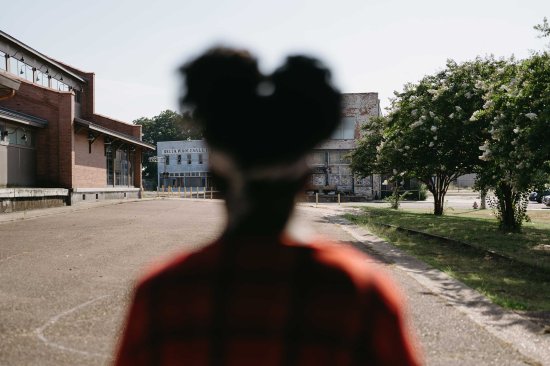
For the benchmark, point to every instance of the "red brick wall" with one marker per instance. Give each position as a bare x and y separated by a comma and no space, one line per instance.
62,159
90,168
53,161
88,96
119,126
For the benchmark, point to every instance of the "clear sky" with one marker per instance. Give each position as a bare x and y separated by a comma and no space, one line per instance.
135,46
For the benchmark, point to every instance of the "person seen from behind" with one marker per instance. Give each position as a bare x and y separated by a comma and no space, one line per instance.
256,295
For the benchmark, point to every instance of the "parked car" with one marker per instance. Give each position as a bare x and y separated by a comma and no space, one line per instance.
537,196
546,200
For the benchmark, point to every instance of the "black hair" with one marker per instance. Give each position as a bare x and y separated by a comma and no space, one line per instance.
257,119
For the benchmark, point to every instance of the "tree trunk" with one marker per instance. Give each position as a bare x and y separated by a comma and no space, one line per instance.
439,189
395,197
483,198
507,202
439,203
507,207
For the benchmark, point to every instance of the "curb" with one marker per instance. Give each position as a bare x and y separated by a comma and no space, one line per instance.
463,243
45,212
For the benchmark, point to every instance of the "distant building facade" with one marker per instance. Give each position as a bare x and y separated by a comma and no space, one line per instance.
183,164
329,160
51,137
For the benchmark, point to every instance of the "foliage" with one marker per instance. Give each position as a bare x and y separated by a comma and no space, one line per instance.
518,209
395,198
428,133
167,126
422,192
516,151
365,158
544,29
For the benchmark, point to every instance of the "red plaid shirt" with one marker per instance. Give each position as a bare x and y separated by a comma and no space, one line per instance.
267,302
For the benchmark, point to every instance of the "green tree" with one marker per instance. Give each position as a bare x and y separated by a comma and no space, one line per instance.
543,29
517,150
428,133
167,126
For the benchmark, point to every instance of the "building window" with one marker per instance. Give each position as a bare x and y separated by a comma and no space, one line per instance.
41,78
3,61
179,159
77,96
120,170
346,129
188,158
339,157
200,158
110,168
15,135
166,159
21,69
62,86
54,83
317,157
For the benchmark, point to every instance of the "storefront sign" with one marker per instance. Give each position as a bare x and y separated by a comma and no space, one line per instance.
185,150
156,159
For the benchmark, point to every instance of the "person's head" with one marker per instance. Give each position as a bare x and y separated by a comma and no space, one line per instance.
259,128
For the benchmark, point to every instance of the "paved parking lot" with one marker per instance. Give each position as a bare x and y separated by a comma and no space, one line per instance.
65,280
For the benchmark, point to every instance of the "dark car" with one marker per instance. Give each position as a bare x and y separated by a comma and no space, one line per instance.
537,196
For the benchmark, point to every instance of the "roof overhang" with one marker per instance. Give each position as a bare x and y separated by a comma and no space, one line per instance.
113,134
40,56
8,87
22,118
7,82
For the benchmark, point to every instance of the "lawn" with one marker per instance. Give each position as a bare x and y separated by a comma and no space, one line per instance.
522,283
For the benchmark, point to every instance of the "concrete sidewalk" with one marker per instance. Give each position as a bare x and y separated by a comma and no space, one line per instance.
527,337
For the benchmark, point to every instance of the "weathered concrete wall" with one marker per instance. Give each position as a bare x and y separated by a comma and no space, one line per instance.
21,199
331,169
90,195
362,106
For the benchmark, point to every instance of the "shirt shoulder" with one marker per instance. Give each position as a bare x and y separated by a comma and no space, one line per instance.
367,274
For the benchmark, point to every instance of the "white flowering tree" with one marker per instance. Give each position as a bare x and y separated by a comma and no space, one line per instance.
517,150
428,133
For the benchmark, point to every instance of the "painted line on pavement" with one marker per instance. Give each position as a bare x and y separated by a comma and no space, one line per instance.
40,331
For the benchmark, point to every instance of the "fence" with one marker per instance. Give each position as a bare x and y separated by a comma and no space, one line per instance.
187,192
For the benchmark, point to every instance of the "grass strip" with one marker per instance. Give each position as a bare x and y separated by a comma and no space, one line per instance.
509,283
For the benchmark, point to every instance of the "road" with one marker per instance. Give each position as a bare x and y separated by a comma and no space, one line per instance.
66,277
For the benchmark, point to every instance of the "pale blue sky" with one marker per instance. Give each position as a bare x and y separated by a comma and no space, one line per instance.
135,46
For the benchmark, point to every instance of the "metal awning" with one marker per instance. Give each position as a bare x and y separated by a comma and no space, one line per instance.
22,118
114,134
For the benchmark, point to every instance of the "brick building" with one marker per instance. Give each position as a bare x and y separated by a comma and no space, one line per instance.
331,169
51,137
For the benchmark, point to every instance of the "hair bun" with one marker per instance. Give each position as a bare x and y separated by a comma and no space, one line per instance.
259,119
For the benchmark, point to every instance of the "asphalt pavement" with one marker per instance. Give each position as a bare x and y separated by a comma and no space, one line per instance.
66,276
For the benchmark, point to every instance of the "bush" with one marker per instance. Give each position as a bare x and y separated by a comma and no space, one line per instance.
422,192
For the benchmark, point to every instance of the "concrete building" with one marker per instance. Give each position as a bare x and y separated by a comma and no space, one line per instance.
53,146
183,164
331,169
